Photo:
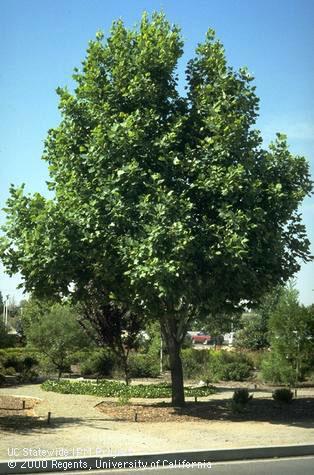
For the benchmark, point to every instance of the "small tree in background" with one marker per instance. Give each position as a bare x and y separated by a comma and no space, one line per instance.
291,333
56,334
253,333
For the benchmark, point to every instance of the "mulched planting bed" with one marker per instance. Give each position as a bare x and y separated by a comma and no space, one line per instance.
256,410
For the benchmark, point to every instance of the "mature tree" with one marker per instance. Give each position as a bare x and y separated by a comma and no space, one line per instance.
291,330
167,204
55,333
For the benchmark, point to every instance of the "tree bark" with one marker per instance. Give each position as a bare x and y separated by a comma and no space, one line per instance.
177,383
125,365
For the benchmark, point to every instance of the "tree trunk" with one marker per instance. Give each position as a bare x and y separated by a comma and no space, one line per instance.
176,371
125,364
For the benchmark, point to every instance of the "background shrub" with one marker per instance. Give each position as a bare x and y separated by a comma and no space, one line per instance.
100,362
19,360
256,357
14,362
29,362
194,362
213,366
237,371
143,365
227,366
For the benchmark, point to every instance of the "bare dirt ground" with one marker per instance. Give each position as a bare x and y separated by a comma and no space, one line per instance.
87,425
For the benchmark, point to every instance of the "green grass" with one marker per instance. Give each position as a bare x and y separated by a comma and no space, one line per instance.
118,389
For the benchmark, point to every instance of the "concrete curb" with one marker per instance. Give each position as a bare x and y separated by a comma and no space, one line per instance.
171,460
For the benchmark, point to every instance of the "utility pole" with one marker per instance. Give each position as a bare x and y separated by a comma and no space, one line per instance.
5,311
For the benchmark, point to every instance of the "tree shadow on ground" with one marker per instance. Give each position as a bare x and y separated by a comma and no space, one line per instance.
299,413
23,425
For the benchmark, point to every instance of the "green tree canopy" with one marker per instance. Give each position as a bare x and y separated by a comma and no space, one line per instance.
166,203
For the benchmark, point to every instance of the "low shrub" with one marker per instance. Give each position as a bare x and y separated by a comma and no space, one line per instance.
241,396
283,395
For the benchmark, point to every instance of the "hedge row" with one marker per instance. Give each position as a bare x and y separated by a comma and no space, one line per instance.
118,389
